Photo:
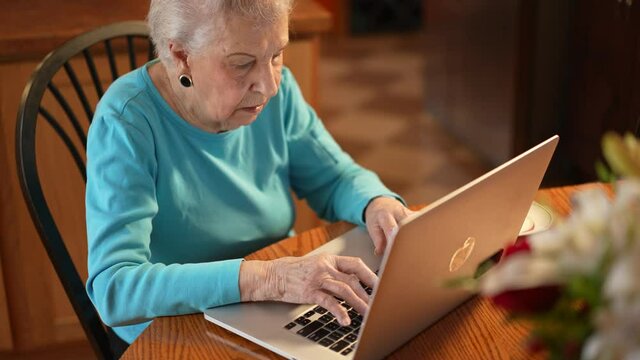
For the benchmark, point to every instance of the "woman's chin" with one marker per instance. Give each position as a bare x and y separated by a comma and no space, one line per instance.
243,118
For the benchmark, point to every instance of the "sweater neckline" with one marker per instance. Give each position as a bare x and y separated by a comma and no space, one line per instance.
176,119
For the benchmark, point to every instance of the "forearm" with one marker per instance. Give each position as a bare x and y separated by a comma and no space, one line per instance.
127,294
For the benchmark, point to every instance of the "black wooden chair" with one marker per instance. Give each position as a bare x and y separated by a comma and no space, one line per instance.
79,62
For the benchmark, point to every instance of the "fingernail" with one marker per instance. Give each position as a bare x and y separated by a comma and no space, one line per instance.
346,322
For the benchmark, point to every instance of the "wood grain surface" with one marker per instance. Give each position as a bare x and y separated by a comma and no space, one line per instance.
474,330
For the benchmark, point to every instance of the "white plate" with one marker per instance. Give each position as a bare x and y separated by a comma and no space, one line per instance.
538,219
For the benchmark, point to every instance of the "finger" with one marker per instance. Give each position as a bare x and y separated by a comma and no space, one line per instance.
378,238
330,303
355,265
402,212
389,226
354,283
345,292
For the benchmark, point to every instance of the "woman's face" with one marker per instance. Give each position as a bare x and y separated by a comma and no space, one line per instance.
234,78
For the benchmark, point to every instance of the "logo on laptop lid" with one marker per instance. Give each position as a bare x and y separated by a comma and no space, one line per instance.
462,254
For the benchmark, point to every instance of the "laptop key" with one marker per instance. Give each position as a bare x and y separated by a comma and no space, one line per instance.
290,326
344,330
302,320
335,336
356,323
319,334
326,318
320,310
347,351
309,313
337,347
368,290
332,325
351,337
326,342
305,331
352,314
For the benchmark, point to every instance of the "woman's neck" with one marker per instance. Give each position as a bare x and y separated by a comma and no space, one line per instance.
186,109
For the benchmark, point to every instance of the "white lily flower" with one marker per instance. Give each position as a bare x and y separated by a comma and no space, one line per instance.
622,280
550,242
617,324
593,347
600,235
591,207
520,272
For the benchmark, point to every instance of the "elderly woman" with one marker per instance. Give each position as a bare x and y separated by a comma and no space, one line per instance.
191,159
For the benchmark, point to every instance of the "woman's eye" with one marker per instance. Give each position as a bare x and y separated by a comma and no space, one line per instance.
244,66
277,56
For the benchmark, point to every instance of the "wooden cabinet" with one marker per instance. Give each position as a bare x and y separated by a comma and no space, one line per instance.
605,81
34,310
471,62
504,75
6,341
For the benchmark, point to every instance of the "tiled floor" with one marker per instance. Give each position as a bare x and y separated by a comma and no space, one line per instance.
372,101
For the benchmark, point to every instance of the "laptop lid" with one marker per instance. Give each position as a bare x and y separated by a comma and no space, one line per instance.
447,239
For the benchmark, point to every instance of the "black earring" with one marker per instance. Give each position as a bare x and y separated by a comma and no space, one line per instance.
185,80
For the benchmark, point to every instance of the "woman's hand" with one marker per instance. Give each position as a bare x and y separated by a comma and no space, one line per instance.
309,280
382,216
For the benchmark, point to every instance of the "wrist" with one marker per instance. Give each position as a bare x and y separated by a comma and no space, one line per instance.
258,281
371,206
251,278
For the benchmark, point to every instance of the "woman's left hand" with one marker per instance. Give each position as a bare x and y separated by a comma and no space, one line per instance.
382,216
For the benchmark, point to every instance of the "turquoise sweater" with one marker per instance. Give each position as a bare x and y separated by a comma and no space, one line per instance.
172,209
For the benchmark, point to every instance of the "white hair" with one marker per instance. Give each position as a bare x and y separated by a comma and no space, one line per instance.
193,23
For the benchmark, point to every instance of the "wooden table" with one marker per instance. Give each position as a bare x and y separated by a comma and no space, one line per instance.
475,330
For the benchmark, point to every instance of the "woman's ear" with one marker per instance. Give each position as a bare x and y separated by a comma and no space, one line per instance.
180,58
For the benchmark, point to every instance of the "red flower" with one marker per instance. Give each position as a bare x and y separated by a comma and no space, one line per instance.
526,301
535,345
571,350
521,244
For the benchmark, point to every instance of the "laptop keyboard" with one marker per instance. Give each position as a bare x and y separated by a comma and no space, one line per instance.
320,326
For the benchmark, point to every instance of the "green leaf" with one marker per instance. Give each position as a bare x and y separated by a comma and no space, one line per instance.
483,267
620,155
466,282
604,173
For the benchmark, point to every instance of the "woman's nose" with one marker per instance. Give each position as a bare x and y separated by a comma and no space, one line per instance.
267,81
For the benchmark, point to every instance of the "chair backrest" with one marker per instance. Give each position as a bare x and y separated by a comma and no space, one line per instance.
87,54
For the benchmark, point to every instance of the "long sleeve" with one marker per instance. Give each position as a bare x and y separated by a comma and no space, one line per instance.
321,172
124,285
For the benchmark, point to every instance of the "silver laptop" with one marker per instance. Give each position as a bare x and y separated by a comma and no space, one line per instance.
447,239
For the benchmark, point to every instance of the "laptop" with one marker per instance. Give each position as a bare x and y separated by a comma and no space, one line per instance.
447,239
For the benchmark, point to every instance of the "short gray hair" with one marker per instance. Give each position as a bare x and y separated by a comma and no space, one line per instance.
192,23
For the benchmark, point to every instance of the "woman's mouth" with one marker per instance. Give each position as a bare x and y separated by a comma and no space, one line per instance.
253,109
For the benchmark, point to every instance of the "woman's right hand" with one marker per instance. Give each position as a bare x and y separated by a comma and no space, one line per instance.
309,280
